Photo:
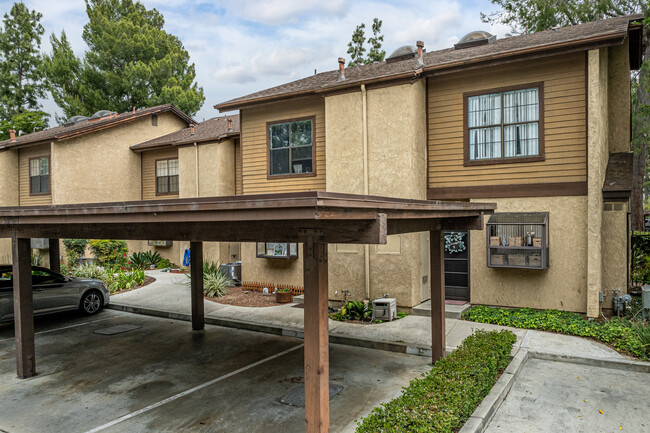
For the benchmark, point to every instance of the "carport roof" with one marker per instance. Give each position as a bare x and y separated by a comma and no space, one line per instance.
290,217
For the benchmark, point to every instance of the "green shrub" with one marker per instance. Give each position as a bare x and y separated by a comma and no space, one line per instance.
109,251
642,331
89,271
74,249
640,258
353,310
124,280
139,260
37,260
165,263
616,332
215,282
153,258
445,397
64,269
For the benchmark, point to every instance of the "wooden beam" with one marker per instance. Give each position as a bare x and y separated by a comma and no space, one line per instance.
437,257
196,285
317,408
468,223
55,253
23,308
343,231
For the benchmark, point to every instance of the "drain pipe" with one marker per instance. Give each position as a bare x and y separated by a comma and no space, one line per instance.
366,188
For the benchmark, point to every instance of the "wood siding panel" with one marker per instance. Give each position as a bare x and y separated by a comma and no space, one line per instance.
149,172
238,178
23,176
565,117
254,152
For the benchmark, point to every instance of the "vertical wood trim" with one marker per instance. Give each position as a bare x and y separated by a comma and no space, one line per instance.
436,255
196,285
23,308
55,252
317,409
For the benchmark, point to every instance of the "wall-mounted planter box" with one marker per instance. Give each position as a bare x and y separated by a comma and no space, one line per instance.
518,240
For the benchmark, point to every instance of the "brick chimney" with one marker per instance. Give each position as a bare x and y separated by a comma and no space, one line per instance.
12,135
341,69
191,129
420,46
229,124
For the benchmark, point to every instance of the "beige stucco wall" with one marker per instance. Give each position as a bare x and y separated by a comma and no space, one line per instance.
8,193
597,138
615,249
396,167
563,285
216,177
618,97
272,271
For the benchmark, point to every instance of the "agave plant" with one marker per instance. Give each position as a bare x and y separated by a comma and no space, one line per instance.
152,257
215,282
139,260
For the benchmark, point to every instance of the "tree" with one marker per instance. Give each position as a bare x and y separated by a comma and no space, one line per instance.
21,72
529,16
131,62
356,47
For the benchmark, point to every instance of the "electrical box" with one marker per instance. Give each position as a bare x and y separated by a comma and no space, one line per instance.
384,309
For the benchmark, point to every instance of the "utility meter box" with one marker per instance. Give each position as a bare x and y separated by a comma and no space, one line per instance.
384,309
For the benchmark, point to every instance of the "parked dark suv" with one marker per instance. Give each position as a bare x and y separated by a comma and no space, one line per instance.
54,292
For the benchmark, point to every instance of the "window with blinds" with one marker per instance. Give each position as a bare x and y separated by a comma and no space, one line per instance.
39,175
503,125
167,176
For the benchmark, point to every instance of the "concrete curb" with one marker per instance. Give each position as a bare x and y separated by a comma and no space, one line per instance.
623,364
278,330
481,417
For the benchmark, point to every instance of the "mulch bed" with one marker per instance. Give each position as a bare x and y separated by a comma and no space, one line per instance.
246,298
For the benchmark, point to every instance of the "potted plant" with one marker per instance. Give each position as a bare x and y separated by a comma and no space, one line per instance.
283,296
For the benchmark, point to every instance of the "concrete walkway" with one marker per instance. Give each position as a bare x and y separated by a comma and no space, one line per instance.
169,296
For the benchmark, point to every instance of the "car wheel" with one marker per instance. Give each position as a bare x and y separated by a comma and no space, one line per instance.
91,302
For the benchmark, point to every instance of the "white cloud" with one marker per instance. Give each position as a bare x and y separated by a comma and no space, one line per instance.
245,46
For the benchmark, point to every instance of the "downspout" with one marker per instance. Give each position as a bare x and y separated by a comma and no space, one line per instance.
366,188
196,155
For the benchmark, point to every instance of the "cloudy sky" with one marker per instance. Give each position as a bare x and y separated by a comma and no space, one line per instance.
243,46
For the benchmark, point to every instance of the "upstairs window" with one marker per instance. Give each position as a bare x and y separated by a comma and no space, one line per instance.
167,176
39,175
504,126
291,148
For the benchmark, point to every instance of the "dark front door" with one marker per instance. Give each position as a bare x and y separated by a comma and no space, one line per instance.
456,265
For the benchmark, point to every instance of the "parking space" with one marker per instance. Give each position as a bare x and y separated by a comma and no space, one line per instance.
555,396
161,376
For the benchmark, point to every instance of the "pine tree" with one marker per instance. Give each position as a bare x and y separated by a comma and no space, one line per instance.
21,72
376,54
131,62
355,46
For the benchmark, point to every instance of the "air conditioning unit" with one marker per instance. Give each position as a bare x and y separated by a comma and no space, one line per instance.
40,244
384,309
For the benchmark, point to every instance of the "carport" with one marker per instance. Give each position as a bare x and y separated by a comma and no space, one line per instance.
315,219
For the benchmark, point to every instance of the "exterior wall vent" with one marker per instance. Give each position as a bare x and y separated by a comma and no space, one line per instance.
403,53
474,39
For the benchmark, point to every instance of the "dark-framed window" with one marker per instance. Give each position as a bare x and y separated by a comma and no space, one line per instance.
39,175
167,176
504,125
291,150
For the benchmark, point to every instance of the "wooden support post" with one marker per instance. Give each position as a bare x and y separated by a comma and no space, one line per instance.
437,257
317,404
23,308
196,272
55,253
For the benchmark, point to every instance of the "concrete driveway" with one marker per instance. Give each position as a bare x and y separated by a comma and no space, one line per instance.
163,377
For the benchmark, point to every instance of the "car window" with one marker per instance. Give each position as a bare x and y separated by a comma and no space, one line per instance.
41,276
6,280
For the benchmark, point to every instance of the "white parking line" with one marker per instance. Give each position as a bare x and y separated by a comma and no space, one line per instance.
191,390
64,327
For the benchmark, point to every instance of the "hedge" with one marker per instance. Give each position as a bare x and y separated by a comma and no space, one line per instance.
445,397
619,333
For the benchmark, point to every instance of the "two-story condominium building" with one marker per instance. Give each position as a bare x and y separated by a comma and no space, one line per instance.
537,123
87,160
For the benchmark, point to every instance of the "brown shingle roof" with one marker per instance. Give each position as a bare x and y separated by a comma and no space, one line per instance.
60,133
618,176
610,31
215,129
